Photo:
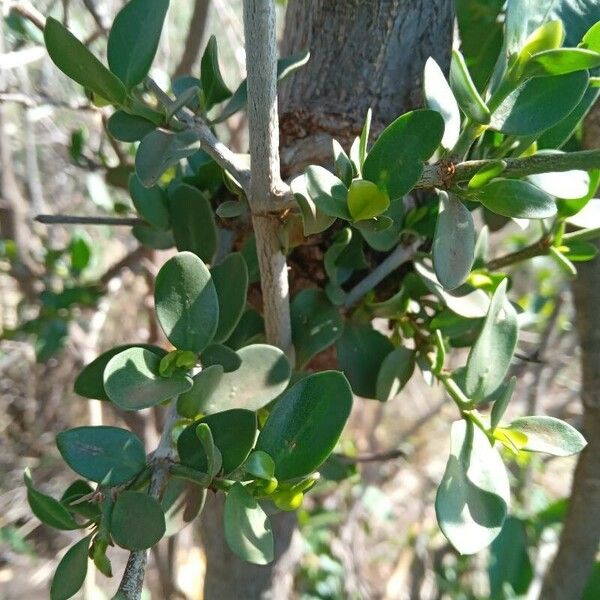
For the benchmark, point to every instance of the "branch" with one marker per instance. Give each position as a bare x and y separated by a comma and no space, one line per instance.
402,254
266,187
76,220
29,12
539,248
130,587
378,457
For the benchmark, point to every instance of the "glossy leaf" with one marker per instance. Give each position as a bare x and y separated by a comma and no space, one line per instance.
306,423
138,521
517,199
440,98
366,200
78,63
491,355
47,509
133,39
395,372
231,283
128,128
194,227
327,192
263,374
233,432
473,497
395,162
549,435
260,465
186,302
71,571
108,455
486,173
132,380
465,92
360,352
160,150
539,104
151,203
316,324
453,242
568,185
247,527
560,61
591,39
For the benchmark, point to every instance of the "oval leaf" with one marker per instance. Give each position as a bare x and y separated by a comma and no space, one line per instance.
550,435
151,203
465,91
366,200
128,128
138,521
71,571
394,373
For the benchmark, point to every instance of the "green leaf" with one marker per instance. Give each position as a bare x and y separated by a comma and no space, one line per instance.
577,251
517,199
247,527
259,464
547,36
539,104
211,452
465,92
473,497
73,496
204,385
486,173
363,140
313,219
366,200
560,61
564,264
343,164
213,86
591,39
233,432
157,239
440,98
491,355
502,396
133,39
138,521
306,423
217,354
181,502
151,203
567,185
395,371
549,435
327,192
90,381
71,571
231,283
231,209
133,381
395,162
263,374
162,149
108,455
249,330
453,242
48,510
128,128
361,351
78,63
194,227
186,302
80,250
316,324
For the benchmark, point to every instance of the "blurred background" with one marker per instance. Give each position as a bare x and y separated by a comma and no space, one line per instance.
68,292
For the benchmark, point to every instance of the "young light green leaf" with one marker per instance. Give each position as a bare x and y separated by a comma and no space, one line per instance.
395,162
128,128
440,98
313,219
262,375
213,86
517,199
108,455
78,63
231,283
214,460
234,433
547,36
473,497
591,39
491,355
453,242
395,371
327,192
561,61
306,423
132,380
486,173
151,203
549,435
366,200
465,92
49,511
247,527
316,324
194,227
186,302
71,571
133,39
138,521
565,265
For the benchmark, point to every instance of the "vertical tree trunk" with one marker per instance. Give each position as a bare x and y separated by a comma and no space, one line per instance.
572,565
364,53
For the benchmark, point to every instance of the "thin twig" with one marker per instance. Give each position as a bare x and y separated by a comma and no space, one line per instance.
539,248
76,220
376,457
42,100
29,12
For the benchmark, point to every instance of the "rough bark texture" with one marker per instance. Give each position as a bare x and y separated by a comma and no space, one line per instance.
364,53
572,565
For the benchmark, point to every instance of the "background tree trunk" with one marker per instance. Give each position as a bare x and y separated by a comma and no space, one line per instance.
567,576
364,53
